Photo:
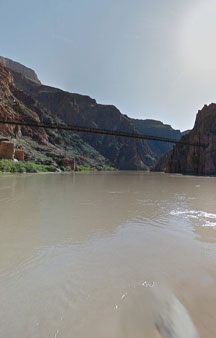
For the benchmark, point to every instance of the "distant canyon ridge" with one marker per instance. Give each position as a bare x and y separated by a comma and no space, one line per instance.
24,98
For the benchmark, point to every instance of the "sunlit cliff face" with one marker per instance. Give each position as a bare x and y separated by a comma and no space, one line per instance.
198,38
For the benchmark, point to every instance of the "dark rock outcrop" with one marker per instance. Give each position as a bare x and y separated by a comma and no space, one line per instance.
161,164
157,128
193,160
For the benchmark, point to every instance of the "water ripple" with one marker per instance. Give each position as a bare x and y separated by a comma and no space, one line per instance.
203,216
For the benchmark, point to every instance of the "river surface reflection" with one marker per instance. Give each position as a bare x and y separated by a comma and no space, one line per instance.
81,255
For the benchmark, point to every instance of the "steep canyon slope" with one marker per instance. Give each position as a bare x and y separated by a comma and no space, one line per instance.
197,160
157,128
84,111
52,104
38,144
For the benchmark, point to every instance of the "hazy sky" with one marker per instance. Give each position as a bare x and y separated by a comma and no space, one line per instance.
151,58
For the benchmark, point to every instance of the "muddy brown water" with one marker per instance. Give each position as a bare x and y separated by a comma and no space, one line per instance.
83,255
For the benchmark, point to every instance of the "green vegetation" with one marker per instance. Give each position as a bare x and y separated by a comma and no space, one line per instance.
88,168
108,169
84,168
10,166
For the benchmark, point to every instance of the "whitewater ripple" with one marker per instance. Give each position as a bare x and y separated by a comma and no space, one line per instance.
203,216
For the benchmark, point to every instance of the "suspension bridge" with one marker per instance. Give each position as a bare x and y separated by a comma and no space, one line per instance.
83,129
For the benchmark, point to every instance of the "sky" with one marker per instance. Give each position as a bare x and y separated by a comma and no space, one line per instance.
150,58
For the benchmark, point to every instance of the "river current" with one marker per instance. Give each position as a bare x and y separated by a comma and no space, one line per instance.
88,255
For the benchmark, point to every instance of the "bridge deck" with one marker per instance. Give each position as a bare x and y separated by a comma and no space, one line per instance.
101,132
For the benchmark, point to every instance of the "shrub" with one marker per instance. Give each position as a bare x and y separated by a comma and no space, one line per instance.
22,167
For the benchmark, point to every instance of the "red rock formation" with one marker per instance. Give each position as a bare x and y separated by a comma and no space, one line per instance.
48,105
196,160
82,110
12,107
18,67
38,144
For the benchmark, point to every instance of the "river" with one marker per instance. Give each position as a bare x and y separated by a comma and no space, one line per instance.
86,255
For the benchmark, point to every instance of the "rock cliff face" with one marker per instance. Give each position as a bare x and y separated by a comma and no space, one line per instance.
161,164
157,128
196,160
39,144
82,110
18,67
12,106
28,99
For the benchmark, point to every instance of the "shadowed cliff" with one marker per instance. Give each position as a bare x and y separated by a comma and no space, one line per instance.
197,160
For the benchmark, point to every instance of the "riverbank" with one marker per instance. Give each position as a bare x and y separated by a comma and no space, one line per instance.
10,166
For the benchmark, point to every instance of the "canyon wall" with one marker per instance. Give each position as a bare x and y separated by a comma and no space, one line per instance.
194,160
